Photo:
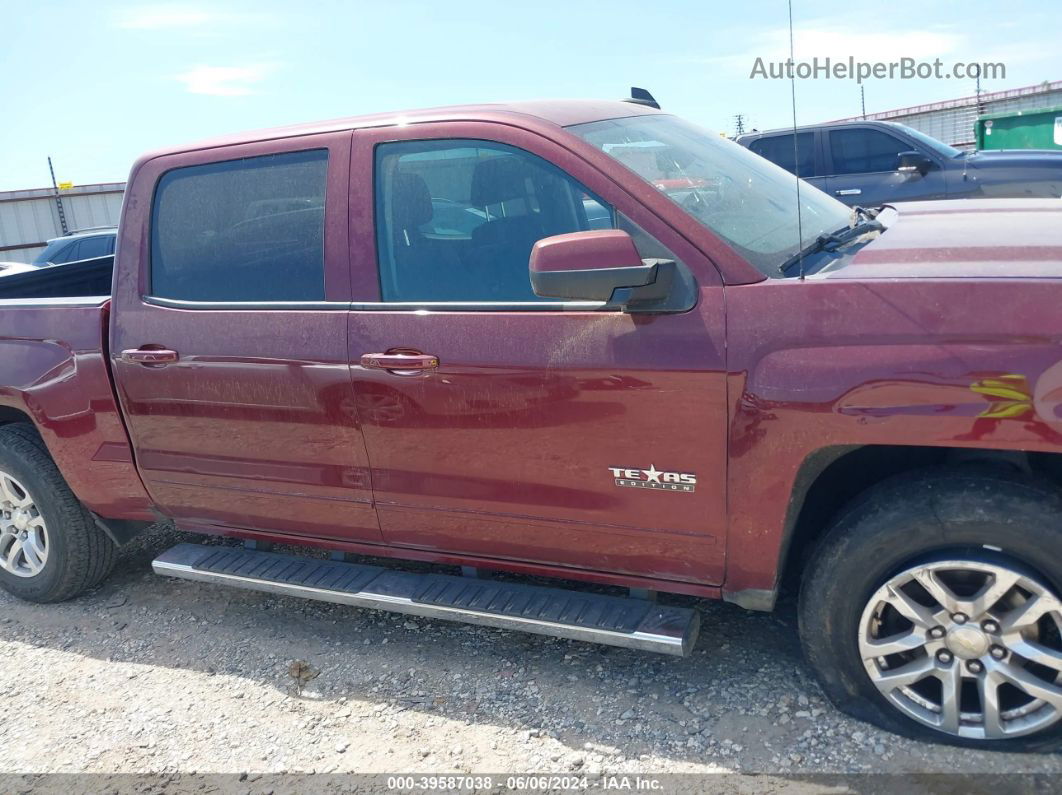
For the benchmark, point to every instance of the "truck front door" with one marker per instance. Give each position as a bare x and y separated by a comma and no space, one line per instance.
863,169
228,339
501,425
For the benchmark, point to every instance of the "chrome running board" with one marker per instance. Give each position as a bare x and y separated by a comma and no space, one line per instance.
611,620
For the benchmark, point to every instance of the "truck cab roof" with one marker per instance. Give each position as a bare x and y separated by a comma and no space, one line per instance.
530,113
830,124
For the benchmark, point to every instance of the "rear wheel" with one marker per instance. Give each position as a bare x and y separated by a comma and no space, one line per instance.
50,547
933,609
23,533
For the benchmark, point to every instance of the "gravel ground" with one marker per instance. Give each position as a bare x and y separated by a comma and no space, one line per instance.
151,674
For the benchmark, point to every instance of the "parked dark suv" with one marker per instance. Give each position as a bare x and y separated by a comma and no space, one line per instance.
81,245
873,162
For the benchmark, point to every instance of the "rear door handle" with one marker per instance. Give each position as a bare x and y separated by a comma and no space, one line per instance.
150,356
849,192
399,361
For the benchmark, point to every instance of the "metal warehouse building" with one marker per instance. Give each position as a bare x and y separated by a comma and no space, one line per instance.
30,218
952,121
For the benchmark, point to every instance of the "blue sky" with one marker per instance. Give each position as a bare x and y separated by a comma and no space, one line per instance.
95,83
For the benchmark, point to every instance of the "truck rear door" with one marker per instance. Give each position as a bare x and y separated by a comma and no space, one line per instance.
228,339
805,161
504,426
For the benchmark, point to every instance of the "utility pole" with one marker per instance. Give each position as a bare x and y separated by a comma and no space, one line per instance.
58,201
739,124
863,99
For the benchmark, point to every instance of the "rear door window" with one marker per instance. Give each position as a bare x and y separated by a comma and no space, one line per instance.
779,150
864,151
456,219
241,230
91,247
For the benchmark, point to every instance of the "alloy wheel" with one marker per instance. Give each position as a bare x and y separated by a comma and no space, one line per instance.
969,648
23,533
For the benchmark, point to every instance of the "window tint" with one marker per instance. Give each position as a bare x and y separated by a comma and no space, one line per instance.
456,220
69,254
48,255
864,151
242,230
95,247
779,150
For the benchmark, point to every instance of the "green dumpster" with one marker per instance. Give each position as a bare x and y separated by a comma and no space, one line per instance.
1028,129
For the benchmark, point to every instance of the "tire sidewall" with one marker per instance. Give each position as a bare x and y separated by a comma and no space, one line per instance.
904,524
43,493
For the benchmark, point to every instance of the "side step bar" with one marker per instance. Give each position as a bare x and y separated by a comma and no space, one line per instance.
612,620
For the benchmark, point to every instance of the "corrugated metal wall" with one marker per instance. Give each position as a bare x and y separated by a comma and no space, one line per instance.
953,121
29,218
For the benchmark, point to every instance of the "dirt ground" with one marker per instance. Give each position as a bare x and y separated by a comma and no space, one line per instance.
151,674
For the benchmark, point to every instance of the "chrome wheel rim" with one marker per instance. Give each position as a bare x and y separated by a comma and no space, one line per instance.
23,533
968,648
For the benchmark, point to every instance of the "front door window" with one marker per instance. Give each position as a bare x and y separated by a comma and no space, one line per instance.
456,219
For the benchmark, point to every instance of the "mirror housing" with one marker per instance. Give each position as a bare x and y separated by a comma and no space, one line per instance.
913,161
598,265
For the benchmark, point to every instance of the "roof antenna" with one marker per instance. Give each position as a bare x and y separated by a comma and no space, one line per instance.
640,96
796,155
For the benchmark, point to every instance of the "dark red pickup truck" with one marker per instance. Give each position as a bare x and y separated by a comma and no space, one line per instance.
580,340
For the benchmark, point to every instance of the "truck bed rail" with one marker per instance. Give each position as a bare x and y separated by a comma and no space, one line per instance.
88,277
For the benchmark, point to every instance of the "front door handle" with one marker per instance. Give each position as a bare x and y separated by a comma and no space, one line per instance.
401,362
849,192
149,356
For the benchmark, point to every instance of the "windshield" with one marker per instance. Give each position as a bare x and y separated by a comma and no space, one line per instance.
939,147
743,198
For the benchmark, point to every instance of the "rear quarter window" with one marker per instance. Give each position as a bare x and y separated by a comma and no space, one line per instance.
241,230
55,253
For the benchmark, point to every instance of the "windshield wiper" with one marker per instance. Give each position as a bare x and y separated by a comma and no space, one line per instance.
831,241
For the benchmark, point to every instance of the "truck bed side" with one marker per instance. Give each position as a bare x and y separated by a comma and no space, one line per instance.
54,372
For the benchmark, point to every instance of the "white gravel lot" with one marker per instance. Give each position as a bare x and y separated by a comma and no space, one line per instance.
150,674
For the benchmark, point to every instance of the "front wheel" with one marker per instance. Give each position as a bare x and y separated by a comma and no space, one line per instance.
932,609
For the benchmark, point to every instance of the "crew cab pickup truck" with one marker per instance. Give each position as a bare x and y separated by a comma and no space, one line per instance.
869,163
584,341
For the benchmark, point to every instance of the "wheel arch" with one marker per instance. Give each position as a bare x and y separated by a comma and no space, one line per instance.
831,477
11,414
119,530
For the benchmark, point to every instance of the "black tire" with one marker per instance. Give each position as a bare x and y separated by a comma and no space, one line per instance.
80,554
909,520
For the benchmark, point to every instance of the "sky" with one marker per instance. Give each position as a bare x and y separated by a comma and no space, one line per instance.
94,84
